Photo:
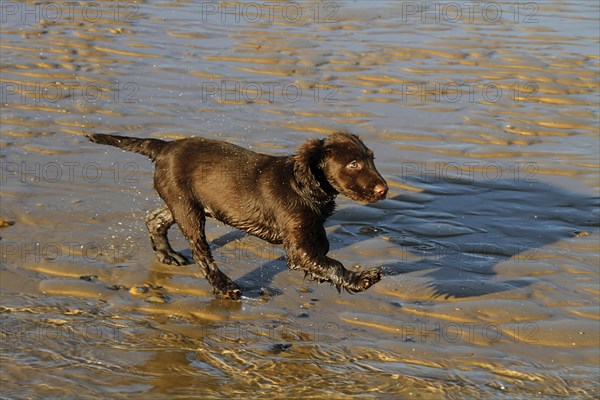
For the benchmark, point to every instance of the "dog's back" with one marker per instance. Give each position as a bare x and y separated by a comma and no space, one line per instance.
227,179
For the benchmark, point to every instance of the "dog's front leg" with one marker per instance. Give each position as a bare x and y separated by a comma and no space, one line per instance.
308,254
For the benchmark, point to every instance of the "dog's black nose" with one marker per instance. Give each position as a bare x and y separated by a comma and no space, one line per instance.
380,190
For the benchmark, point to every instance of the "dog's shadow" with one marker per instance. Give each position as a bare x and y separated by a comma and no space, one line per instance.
458,229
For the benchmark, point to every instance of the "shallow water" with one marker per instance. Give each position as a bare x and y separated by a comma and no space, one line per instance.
483,120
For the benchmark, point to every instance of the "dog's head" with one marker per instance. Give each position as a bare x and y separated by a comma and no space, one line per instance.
343,162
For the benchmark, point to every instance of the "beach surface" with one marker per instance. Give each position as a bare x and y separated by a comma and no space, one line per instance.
483,120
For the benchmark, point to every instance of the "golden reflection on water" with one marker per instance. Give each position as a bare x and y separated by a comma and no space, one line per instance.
486,132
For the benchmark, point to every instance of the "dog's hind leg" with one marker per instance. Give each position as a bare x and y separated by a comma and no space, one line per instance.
190,216
158,222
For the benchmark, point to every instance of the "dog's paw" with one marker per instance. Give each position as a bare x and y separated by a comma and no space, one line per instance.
231,292
172,258
363,280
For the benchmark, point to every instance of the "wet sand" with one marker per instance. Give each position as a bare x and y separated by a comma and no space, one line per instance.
485,126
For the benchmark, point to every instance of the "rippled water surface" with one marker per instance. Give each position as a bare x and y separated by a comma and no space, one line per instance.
483,119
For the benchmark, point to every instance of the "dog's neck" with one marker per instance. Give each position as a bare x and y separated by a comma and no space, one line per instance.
323,194
315,189
330,193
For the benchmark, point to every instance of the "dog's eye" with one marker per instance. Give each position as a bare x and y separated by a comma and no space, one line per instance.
353,165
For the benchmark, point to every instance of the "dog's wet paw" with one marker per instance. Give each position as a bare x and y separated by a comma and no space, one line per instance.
172,258
231,292
364,280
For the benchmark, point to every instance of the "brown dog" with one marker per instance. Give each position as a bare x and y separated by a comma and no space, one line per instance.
283,199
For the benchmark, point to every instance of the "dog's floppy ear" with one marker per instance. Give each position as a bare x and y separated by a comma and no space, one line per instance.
307,162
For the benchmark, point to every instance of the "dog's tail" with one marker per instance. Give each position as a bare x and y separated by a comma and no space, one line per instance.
147,147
